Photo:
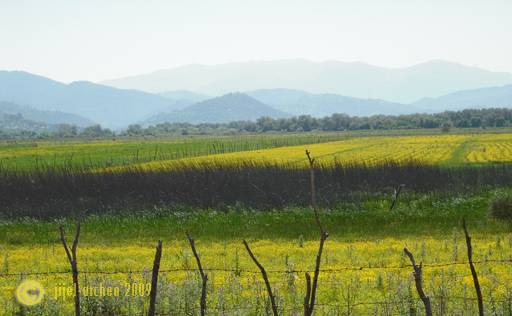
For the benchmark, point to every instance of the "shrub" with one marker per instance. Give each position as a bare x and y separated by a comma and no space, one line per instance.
501,207
446,127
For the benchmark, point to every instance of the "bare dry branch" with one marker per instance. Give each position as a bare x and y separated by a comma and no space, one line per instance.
419,285
473,270
72,258
154,279
64,243
307,297
265,278
204,277
312,287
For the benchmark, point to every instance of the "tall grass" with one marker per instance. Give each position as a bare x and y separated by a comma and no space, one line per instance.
57,192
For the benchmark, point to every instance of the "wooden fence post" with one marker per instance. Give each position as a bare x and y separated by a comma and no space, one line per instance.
308,294
311,288
71,255
396,194
418,281
473,270
265,278
204,277
154,279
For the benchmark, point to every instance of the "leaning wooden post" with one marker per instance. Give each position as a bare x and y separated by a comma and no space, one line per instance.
308,294
396,194
473,270
311,289
204,277
265,278
418,281
154,279
71,255
312,178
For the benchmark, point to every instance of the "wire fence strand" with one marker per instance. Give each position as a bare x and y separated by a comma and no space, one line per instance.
251,271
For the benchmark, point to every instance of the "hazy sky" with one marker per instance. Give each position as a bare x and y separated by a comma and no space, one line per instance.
100,39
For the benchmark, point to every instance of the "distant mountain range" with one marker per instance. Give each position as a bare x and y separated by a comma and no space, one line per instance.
24,96
227,108
359,80
476,98
105,105
17,123
287,102
299,102
47,117
185,95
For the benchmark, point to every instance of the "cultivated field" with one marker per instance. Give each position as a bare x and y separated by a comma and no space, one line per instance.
459,147
431,149
241,191
92,154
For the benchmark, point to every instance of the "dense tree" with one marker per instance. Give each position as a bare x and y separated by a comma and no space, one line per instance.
341,122
96,131
66,130
484,118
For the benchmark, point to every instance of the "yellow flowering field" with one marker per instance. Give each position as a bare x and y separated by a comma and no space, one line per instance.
364,269
89,154
362,276
450,149
430,149
491,148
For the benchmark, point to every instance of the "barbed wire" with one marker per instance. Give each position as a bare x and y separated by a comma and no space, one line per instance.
250,271
393,302
297,310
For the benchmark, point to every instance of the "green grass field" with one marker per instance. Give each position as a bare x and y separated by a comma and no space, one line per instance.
364,269
364,252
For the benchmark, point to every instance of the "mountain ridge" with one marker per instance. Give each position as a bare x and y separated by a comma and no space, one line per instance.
47,117
84,103
356,79
223,109
17,123
298,102
487,97
108,106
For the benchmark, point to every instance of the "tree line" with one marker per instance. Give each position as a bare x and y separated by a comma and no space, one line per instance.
470,118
